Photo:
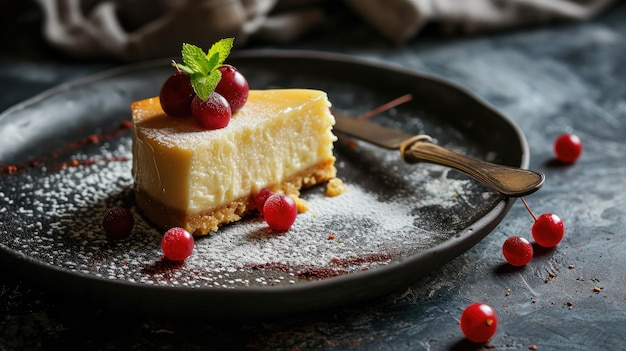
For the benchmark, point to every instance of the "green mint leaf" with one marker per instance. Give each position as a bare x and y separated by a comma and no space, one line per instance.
214,61
199,86
203,68
184,68
222,49
205,85
195,59
213,79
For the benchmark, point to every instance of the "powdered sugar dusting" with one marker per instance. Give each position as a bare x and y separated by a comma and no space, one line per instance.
343,217
55,217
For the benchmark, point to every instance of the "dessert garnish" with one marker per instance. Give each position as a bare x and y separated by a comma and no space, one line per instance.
233,87
177,244
204,87
212,113
202,67
177,94
50,162
279,212
118,222
260,198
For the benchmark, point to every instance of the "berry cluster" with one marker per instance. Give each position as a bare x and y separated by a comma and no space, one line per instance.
479,321
204,87
278,210
179,99
548,229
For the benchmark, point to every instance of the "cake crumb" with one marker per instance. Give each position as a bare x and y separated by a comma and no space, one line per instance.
301,204
335,187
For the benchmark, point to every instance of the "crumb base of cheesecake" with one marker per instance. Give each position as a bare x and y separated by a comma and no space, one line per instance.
210,220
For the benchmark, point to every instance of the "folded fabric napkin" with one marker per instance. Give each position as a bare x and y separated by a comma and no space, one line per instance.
141,29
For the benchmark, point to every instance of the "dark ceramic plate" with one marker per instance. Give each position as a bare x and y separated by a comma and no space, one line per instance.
66,161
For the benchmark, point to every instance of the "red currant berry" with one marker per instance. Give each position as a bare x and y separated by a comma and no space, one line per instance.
176,95
479,322
517,251
177,244
548,230
118,223
233,86
568,148
260,198
212,113
280,212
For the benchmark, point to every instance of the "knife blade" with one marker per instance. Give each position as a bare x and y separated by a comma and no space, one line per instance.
509,181
376,134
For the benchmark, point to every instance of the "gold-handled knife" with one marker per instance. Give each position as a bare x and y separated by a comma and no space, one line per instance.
509,181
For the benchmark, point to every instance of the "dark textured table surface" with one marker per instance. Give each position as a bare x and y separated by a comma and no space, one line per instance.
549,80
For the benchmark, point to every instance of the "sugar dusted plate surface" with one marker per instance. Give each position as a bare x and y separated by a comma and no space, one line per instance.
395,223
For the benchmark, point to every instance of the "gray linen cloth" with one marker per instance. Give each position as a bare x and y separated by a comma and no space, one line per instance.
141,29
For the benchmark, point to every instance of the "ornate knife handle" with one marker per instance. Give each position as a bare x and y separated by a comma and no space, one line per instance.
509,181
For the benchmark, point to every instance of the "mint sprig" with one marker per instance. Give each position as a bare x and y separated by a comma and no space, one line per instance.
202,67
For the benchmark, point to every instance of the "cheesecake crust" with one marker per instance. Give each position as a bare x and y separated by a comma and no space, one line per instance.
210,220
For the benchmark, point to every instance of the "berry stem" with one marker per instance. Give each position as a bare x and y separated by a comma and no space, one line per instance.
528,208
176,66
391,104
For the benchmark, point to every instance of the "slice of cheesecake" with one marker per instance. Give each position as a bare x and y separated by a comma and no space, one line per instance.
198,179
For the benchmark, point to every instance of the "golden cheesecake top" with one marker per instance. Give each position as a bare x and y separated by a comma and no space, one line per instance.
183,133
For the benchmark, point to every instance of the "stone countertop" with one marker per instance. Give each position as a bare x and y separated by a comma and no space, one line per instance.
549,80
